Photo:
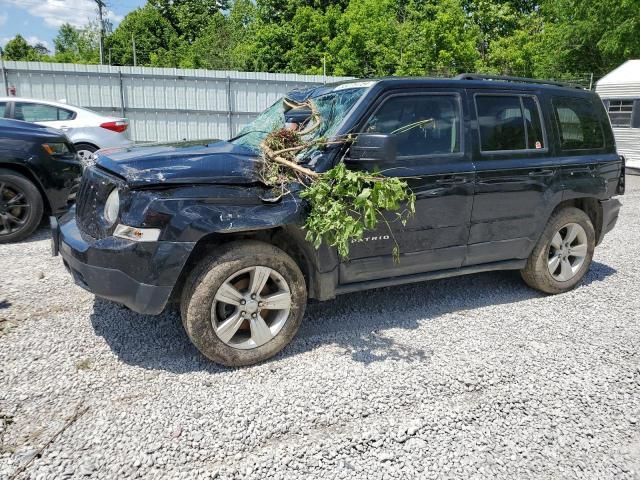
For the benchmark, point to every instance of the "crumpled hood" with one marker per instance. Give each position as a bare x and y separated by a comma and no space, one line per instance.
220,163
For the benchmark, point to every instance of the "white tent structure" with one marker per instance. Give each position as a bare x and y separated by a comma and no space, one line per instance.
620,93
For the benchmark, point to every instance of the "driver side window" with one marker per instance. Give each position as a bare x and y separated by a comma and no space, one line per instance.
424,124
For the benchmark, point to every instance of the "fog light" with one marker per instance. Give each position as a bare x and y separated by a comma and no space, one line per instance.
137,234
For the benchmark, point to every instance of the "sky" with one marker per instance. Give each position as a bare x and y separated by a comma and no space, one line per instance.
39,20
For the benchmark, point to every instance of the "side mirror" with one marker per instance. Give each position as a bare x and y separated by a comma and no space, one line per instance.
373,150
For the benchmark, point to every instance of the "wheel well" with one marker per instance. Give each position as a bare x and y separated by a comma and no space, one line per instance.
276,237
86,143
589,205
24,171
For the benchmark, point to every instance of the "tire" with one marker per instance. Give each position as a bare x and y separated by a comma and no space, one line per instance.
552,269
207,303
21,207
85,152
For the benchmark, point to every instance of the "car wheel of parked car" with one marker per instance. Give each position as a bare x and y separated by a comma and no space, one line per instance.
243,304
563,254
20,207
86,152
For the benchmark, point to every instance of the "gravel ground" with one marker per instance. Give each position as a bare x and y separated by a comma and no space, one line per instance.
471,377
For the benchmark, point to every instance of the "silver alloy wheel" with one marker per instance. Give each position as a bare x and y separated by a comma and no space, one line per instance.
86,156
251,307
567,252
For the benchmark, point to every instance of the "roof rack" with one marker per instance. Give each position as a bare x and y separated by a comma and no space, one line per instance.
475,76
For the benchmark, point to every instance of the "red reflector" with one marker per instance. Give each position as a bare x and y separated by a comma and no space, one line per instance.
117,126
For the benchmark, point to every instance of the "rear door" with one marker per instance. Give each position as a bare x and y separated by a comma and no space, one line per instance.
517,179
432,155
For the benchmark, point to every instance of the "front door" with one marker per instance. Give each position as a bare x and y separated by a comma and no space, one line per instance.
431,155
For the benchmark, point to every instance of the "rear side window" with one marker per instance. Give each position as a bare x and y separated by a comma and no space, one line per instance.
37,112
509,122
427,124
620,112
3,109
578,124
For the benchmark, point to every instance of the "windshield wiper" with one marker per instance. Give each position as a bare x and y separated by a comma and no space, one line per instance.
246,133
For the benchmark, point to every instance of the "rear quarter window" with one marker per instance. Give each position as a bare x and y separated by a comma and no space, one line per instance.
579,124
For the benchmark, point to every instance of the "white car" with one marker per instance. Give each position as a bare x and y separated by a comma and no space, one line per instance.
88,130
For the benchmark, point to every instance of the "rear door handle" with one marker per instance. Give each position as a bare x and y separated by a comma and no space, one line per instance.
452,180
542,173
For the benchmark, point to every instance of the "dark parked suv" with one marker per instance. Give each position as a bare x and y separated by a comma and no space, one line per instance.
39,173
508,174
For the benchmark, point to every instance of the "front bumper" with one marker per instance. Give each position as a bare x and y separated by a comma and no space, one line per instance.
139,275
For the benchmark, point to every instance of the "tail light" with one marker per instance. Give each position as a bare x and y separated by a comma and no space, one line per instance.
118,126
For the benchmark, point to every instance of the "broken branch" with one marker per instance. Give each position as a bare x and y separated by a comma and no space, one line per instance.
287,163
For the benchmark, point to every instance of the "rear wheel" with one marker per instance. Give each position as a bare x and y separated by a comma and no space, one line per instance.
86,152
244,304
563,254
21,207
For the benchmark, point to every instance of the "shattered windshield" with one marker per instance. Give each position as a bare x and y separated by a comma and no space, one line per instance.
333,108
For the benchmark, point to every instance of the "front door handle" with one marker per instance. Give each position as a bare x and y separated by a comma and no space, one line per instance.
542,173
452,180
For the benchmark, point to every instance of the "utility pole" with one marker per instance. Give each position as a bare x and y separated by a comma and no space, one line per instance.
101,7
133,44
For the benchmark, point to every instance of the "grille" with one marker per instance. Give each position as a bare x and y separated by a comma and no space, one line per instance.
94,190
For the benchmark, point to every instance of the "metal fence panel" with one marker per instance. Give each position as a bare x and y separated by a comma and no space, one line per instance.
162,104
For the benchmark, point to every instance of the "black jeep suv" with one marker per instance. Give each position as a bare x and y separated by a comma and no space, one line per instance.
508,174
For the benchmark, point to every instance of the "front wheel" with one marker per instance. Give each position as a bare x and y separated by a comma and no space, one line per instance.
563,254
243,304
21,207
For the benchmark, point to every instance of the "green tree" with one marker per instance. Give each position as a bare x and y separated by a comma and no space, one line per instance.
226,42
212,48
19,49
366,42
157,43
588,36
436,37
77,45
311,32
242,19
520,53
189,18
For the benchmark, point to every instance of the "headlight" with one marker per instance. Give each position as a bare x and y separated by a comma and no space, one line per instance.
112,207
